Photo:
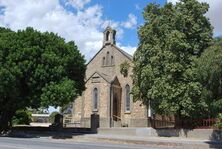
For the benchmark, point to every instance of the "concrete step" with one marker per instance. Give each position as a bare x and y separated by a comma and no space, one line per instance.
127,131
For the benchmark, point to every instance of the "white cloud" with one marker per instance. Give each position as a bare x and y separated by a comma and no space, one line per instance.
128,49
172,1
78,4
84,26
137,6
131,22
214,14
49,15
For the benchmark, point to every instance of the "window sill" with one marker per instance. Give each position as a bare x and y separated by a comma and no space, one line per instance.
95,110
127,112
107,65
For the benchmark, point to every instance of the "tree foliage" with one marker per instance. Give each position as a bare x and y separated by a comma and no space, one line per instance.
23,117
37,70
52,116
124,68
219,121
66,109
172,37
210,76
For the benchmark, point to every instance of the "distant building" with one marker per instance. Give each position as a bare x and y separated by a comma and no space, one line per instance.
40,120
108,91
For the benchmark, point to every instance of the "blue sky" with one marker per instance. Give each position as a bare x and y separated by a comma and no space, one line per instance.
80,20
84,20
118,10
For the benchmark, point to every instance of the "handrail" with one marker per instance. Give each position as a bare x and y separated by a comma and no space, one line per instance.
117,117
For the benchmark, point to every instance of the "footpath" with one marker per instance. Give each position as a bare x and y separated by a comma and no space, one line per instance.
166,142
162,142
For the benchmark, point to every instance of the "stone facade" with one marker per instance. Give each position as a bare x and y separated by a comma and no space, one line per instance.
106,93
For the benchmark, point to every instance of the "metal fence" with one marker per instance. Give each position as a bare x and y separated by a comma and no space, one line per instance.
198,123
184,123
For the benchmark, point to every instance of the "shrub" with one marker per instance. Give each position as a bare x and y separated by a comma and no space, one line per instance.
52,116
219,122
22,117
124,68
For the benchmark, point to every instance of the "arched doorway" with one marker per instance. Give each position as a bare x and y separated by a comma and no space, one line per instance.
116,104
116,108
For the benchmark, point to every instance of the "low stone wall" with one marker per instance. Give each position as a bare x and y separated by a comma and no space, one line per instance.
41,124
104,122
85,122
208,134
189,133
131,131
139,122
50,129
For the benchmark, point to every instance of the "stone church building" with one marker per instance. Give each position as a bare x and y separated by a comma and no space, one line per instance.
107,91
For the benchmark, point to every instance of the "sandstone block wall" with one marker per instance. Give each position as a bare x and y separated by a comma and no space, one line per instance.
83,105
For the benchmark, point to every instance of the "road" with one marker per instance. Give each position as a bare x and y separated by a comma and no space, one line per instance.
48,143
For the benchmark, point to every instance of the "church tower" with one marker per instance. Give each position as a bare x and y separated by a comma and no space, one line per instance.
109,36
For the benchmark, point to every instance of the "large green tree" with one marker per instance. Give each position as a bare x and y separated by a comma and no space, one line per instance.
210,76
164,73
37,70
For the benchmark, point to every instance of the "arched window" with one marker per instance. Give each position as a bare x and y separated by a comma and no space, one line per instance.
114,34
95,99
127,98
107,36
107,58
103,62
112,60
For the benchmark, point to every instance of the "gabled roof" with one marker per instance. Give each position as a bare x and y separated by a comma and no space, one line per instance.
104,76
115,81
130,57
95,55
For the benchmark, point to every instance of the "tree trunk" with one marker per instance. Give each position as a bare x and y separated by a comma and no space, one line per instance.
5,120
